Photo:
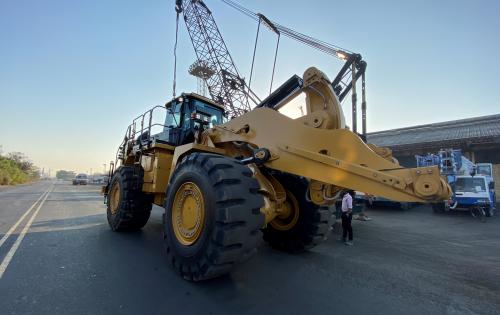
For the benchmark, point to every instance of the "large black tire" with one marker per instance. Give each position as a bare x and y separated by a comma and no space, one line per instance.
134,206
313,223
232,218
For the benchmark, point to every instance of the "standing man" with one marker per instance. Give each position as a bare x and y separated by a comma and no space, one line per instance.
347,217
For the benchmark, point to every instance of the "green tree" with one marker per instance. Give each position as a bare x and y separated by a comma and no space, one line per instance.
21,160
16,168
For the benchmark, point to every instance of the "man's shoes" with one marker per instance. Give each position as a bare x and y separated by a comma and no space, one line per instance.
350,243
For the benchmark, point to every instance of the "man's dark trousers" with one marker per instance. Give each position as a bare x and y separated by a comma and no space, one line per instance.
346,226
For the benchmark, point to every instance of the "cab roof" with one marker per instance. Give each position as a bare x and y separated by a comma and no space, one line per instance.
198,97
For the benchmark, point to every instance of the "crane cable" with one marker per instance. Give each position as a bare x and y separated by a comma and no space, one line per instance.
323,46
274,63
175,53
253,58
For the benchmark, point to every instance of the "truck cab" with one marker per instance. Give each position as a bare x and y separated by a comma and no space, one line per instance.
470,191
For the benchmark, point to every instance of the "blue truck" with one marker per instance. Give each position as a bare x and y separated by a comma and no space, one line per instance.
472,184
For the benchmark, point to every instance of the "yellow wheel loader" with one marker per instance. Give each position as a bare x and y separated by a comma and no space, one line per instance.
227,184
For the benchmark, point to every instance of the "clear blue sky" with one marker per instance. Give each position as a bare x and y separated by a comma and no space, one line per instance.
74,73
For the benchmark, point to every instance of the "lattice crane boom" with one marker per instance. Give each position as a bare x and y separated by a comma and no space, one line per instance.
225,86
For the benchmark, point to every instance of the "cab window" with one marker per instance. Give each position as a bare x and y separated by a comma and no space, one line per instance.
173,118
483,170
470,184
216,117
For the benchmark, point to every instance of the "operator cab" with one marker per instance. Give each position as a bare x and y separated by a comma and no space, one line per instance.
188,114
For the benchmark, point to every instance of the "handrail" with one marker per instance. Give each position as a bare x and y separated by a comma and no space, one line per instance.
146,124
146,115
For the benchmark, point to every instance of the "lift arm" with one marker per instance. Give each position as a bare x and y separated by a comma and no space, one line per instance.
317,146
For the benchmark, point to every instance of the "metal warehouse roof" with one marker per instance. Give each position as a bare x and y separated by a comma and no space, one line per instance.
471,129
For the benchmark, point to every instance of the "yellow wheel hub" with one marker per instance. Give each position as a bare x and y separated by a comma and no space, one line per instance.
288,216
114,197
188,213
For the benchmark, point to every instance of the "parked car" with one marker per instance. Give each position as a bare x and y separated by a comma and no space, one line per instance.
81,179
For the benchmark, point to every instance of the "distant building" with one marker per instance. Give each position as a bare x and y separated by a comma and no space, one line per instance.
65,175
478,138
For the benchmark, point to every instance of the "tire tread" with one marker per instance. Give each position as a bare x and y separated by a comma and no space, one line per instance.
236,226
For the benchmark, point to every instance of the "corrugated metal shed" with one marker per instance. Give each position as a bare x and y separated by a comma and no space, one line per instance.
473,130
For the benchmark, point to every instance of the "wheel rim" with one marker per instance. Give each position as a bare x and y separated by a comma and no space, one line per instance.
289,216
114,198
188,213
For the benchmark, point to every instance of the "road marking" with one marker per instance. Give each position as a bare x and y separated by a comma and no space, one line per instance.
13,228
13,249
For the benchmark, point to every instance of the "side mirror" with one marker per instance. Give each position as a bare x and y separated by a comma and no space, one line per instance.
491,185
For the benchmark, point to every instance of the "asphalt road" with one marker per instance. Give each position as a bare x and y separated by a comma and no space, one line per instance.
69,262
